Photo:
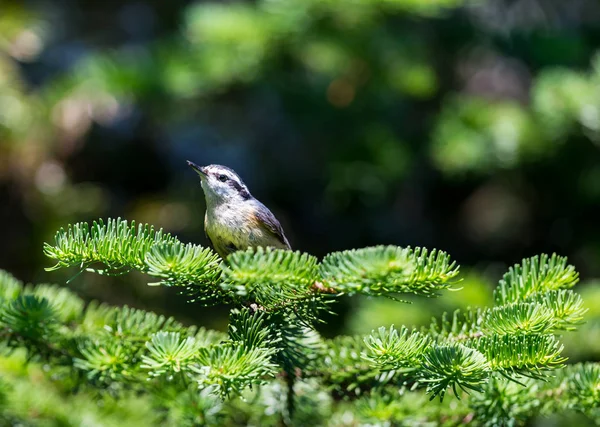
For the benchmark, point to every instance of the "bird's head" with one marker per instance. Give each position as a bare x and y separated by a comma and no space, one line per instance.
221,184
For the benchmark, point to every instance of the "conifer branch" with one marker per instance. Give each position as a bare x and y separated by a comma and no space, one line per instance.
451,367
388,271
575,387
278,297
120,247
275,280
517,319
345,369
169,353
270,278
233,368
538,274
527,355
393,349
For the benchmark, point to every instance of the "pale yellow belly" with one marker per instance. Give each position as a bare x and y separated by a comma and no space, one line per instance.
231,230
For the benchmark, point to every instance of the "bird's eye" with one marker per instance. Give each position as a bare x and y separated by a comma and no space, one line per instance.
223,178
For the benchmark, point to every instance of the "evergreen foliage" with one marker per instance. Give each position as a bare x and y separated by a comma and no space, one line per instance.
118,364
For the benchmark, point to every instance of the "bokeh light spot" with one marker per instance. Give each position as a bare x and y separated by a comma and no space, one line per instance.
340,93
50,177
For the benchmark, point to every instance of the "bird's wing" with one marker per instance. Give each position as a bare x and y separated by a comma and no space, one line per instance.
268,221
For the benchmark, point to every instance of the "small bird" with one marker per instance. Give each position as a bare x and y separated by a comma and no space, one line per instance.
234,219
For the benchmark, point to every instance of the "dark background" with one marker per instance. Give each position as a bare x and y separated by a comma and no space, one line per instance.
472,127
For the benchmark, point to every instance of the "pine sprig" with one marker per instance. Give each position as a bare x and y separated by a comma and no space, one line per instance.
120,247
169,353
250,329
182,264
271,278
127,323
463,326
421,361
117,244
517,319
67,306
566,306
537,274
10,287
583,387
453,366
232,368
388,270
108,362
30,317
526,355
396,349
575,387
345,368
540,313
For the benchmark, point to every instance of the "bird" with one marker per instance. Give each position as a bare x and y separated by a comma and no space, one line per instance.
234,219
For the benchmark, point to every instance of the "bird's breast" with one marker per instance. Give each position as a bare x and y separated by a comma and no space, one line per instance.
236,226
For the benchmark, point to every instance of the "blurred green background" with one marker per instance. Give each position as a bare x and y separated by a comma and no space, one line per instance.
468,126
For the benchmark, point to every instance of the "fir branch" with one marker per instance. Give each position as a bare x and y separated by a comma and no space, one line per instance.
30,317
388,270
10,287
232,367
117,245
566,306
453,366
250,329
438,366
299,346
344,367
518,318
526,355
530,303
271,278
108,362
583,388
169,353
67,306
537,274
390,349
182,265
574,387
126,323
121,246
463,326
540,313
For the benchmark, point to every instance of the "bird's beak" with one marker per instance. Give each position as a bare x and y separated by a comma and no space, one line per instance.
199,169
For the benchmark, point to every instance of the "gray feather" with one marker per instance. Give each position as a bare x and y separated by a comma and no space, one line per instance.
268,220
